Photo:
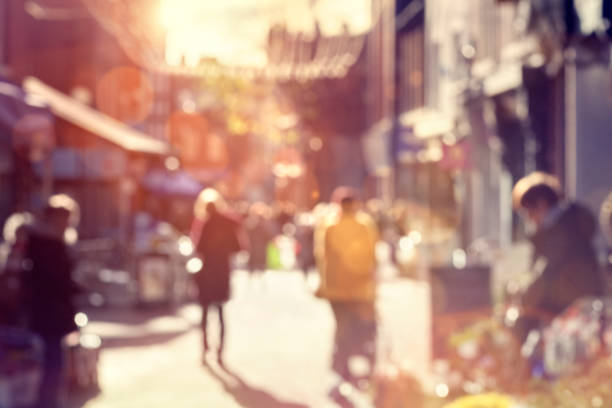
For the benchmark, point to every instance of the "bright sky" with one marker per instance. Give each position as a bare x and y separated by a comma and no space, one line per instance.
235,31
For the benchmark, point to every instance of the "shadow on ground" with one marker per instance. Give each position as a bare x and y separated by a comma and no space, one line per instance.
141,341
133,314
79,398
135,321
246,395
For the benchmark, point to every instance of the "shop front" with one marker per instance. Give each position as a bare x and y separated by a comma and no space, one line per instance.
26,140
97,157
426,183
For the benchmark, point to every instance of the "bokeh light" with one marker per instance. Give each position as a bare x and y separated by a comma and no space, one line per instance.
185,246
81,319
194,265
442,390
172,163
126,94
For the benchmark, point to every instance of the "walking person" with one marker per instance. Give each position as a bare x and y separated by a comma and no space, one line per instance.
216,239
260,229
48,289
348,280
305,241
15,244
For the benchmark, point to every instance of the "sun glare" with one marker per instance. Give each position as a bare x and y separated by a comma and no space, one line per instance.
172,13
235,32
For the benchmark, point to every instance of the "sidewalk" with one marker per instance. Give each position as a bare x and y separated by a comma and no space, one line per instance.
121,326
278,347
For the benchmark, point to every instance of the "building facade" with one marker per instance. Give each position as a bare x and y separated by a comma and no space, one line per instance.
83,71
489,91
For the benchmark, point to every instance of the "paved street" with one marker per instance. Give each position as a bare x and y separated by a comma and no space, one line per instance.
279,342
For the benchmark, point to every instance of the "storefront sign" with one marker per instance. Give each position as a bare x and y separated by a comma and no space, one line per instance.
90,164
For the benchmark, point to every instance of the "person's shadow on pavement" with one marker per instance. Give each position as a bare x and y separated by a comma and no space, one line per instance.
246,395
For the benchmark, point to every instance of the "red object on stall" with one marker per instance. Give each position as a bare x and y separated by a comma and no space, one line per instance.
456,156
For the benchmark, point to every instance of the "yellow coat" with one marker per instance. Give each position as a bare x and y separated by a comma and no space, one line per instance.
345,250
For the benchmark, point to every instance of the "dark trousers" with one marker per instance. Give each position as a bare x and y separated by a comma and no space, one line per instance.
219,307
355,335
53,372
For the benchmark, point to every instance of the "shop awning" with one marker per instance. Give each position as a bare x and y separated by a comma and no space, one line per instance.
95,122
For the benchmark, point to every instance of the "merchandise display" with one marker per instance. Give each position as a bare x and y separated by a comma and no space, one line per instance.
21,356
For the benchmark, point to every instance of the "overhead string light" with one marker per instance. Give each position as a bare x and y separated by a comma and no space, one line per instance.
301,39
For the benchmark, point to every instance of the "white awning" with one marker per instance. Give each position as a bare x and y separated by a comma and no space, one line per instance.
507,78
94,121
376,147
427,123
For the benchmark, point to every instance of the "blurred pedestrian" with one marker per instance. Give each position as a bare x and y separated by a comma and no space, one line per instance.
305,241
48,290
348,281
260,229
216,240
285,213
564,258
15,244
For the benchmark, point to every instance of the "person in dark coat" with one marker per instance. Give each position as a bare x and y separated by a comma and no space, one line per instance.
564,256
260,229
48,290
218,240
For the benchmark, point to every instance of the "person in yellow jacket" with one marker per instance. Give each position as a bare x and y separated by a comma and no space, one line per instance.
345,247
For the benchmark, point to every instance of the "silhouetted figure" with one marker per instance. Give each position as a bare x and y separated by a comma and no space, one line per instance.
48,290
245,394
305,239
564,258
261,231
16,239
348,281
217,242
284,215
